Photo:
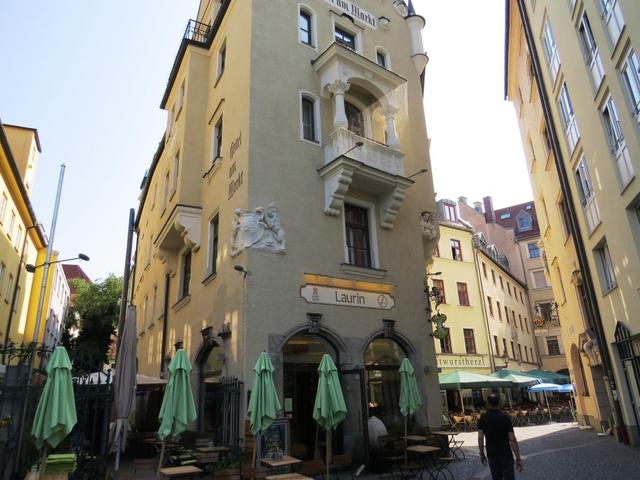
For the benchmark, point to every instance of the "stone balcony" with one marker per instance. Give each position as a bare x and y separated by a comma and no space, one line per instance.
351,161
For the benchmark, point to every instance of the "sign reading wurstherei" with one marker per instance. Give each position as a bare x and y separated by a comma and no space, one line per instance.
347,297
359,15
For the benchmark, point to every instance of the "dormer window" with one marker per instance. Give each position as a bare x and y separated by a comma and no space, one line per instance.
525,222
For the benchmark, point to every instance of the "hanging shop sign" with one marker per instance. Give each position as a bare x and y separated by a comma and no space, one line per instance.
353,10
465,361
541,332
347,297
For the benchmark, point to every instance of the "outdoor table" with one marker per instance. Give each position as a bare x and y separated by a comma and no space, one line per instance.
454,445
416,438
287,476
185,471
431,465
281,464
212,449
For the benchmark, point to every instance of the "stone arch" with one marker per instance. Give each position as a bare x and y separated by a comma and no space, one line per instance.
209,342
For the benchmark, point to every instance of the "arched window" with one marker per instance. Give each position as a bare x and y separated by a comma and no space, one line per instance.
355,119
306,27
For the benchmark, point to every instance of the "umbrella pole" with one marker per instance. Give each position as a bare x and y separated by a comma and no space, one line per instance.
43,460
461,401
255,442
509,397
161,459
405,440
548,408
328,446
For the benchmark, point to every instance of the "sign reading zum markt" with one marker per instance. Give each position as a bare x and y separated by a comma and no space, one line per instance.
347,297
466,361
355,11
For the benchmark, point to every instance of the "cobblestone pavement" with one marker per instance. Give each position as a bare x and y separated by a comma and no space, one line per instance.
558,451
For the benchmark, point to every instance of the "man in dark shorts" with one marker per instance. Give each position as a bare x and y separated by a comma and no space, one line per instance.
501,442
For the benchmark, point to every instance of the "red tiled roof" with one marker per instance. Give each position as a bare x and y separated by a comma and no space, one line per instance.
74,271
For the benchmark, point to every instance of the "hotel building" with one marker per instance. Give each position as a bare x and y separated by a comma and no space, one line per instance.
289,208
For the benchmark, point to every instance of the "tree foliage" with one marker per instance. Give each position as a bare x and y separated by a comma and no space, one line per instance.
95,310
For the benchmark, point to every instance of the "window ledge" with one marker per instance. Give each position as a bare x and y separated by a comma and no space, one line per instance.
363,271
181,303
215,166
218,78
151,326
315,143
625,186
209,278
609,290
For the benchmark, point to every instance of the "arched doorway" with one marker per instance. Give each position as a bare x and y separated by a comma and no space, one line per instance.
382,358
209,362
582,389
301,355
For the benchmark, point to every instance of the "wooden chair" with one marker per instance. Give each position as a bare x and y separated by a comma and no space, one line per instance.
458,423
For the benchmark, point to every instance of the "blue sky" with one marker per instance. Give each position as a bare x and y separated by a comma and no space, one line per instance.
90,75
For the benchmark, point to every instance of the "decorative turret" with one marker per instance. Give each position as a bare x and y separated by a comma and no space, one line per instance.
416,24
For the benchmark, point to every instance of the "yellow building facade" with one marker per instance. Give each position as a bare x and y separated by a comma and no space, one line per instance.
572,74
278,214
21,240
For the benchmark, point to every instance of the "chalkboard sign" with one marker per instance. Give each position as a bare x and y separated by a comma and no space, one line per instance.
275,441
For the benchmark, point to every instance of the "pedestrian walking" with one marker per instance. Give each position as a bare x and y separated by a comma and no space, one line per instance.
496,426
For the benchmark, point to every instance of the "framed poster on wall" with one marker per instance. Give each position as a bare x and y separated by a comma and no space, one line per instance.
275,441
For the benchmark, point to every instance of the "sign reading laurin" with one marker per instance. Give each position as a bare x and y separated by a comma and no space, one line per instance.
347,297
355,11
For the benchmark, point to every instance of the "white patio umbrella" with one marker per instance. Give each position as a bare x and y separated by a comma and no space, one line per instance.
125,384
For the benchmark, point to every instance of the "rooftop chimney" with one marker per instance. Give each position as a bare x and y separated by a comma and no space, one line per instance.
477,206
489,213
462,200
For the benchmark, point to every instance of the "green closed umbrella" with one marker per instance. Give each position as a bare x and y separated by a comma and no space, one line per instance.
329,408
410,400
264,403
56,413
178,409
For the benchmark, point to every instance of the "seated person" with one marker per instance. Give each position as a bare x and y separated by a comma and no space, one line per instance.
376,429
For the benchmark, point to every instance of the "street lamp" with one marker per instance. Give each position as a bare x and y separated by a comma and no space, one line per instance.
505,359
32,268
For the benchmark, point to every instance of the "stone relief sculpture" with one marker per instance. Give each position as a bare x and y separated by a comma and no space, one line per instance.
259,229
429,225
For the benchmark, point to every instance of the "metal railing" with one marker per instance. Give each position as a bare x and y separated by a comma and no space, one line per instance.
197,32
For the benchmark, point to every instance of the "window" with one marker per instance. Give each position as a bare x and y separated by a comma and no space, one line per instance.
355,120
496,344
3,268
520,321
445,343
12,223
616,142
3,206
505,216
563,296
357,232
469,340
550,51
534,250
439,285
568,117
526,325
305,28
456,250
19,236
154,302
519,352
607,273
499,310
449,212
630,76
526,351
612,17
587,197
590,50
509,288
490,304
521,299
176,166
539,279
381,58
525,222
504,346
484,269
463,294
217,140
513,317
501,283
513,350
309,119
154,196
144,311
547,140
493,276
165,194
506,313
345,38
222,59
180,99
186,274
213,244
566,219
553,347
15,306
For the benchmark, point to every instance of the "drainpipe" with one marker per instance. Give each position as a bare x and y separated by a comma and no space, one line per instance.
485,315
593,316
